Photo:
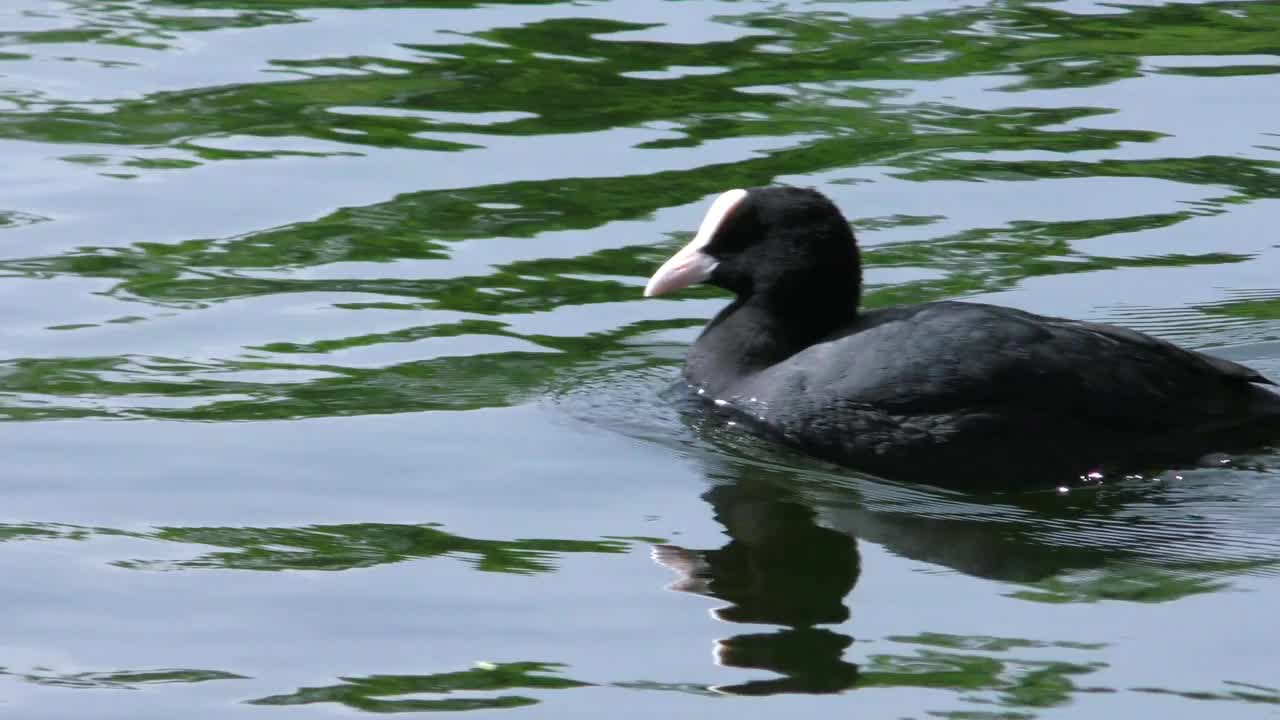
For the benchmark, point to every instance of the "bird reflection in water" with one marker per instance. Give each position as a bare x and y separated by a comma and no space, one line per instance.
780,567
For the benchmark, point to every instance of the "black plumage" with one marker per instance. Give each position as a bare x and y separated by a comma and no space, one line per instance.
949,391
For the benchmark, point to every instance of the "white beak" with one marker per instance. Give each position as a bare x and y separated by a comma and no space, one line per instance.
691,265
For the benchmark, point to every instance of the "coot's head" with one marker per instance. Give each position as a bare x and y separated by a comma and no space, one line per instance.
784,245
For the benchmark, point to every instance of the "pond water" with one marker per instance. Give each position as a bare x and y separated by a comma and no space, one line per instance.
328,381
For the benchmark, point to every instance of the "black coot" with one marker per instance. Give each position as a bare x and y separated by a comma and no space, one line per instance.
948,392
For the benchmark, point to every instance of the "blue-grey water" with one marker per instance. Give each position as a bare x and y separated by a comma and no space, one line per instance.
328,388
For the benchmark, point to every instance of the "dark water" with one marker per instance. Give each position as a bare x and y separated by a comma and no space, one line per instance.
329,383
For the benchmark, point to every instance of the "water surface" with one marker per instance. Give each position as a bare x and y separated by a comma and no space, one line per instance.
328,381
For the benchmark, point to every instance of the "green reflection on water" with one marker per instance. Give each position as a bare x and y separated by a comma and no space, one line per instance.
332,547
344,547
1238,691
119,680
370,693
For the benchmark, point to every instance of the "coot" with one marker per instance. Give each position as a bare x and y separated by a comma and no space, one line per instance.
948,392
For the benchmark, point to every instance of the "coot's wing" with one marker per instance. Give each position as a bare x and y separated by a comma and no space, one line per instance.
1223,366
960,357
